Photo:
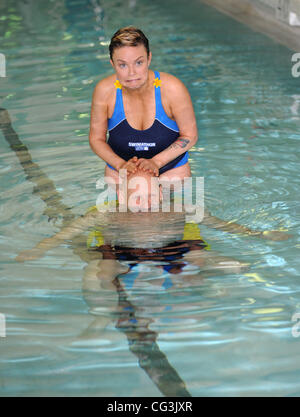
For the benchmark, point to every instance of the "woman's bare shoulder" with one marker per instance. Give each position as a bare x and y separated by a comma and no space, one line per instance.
170,79
173,92
172,84
105,87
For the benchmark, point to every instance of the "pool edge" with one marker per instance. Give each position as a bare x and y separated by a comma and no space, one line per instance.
260,19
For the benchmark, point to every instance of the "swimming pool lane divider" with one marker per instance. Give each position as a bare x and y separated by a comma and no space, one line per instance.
141,340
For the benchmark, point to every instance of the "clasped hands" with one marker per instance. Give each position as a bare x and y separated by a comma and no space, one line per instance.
135,163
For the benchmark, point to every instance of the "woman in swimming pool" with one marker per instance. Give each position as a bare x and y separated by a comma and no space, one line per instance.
149,115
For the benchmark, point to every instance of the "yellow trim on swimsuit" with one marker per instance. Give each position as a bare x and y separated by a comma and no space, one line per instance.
191,232
95,239
117,84
157,83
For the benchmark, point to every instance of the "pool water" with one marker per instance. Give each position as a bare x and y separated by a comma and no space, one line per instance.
158,334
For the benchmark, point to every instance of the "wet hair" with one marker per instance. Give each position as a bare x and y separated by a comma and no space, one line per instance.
128,36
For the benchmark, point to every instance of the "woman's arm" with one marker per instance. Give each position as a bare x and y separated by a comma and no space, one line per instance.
76,227
232,227
98,124
182,111
98,128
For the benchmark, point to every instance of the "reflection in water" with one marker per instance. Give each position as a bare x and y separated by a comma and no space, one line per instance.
142,340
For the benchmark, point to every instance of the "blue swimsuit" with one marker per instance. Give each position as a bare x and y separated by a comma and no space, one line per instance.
128,142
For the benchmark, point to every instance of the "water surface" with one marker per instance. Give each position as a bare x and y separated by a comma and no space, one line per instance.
218,335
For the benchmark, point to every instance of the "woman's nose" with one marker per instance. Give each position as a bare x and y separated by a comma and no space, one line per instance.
131,70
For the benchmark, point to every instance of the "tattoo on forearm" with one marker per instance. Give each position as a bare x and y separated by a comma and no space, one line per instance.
179,143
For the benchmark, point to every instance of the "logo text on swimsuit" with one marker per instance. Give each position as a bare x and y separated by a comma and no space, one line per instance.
2,66
141,146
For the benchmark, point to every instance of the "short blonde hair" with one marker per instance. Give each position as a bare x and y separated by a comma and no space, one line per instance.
128,36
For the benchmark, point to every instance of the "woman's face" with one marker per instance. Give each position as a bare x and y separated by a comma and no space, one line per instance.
131,64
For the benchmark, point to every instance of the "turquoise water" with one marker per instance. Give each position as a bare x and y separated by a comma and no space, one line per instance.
228,334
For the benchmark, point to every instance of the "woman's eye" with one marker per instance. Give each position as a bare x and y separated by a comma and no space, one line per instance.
139,62
122,65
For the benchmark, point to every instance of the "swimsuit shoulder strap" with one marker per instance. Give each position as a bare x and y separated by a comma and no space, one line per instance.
119,113
160,111
157,84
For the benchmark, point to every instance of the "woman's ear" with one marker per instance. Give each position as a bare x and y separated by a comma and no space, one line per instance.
149,58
